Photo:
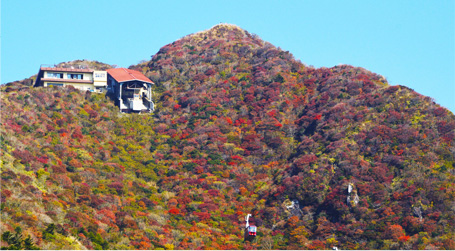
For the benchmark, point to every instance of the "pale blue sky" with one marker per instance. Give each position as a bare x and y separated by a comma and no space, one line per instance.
409,42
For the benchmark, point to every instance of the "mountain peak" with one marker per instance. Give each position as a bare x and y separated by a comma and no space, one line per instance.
220,30
225,28
224,31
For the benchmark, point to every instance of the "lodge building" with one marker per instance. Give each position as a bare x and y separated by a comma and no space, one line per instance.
80,76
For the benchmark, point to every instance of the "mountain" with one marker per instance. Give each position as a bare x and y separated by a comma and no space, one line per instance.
321,158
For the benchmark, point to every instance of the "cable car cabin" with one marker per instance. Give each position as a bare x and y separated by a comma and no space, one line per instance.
250,230
250,233
131,90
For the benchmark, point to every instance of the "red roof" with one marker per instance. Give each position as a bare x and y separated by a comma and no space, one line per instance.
124,75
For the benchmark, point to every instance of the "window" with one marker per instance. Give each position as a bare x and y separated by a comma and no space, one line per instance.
54,75
54,84
74,76
100,75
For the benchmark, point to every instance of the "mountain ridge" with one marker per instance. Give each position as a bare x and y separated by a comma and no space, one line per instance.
240,127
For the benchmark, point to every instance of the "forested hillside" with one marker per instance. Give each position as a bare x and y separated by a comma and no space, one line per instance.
320,157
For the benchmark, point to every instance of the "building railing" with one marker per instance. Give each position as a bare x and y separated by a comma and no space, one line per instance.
66,66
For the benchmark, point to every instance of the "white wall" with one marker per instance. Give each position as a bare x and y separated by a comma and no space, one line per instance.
100,78
83,87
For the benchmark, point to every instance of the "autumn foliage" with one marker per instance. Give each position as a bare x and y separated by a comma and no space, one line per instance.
240,127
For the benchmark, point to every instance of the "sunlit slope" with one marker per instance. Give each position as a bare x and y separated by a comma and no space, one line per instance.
240,127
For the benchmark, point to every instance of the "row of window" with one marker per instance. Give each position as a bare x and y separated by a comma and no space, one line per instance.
54,84
69,75
84,88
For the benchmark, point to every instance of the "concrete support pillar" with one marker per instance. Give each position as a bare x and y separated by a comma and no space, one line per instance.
120,92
